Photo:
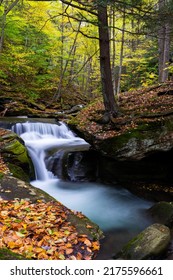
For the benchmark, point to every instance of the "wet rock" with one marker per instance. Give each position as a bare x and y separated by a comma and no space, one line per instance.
139,142
82,166
162,212
12,188
138,156
149,244
78,166
16,156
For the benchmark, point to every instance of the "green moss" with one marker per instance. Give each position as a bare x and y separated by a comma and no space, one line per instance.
18,172
16,156
116,143
142,132
6,254
1,175
16,148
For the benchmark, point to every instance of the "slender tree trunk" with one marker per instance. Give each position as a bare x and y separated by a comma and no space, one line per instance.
3,22
121,54
71,74
163,44
113,49
57,94
110,104
62,41
166,53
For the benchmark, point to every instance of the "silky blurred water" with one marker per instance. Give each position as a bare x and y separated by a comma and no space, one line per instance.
110,207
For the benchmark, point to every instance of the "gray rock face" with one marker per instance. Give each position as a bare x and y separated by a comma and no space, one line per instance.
149,244
78,166
139,142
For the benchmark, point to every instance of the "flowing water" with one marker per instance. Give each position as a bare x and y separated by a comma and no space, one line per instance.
118,212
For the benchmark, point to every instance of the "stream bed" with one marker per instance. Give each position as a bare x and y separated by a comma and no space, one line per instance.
119,213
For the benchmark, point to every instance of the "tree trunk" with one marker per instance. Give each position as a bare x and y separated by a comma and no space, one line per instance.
57,95
113,49
105,67
2,32
121,53
163,44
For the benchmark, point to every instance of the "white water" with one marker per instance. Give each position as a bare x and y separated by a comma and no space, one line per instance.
110,208
40,138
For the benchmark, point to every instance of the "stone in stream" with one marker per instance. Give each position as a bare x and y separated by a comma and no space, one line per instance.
162,212
149,244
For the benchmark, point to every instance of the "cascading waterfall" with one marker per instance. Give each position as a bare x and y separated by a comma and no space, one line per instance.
110,207
40,138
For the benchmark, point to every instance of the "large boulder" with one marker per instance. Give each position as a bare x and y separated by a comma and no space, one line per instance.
15,155
149,244
138,157
162,212
131,143
139,142
74,166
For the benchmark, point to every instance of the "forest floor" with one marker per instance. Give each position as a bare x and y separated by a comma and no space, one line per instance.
136,107
144,103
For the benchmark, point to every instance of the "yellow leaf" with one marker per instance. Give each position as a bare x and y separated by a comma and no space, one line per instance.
95,245
61,257
24,226
11,244
4,228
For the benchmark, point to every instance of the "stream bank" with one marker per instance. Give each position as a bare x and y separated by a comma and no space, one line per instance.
73,237
134,150
116,232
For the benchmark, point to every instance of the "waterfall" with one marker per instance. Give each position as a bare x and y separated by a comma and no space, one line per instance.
41,138
110,207
59,131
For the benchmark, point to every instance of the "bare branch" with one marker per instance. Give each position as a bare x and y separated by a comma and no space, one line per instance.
80,7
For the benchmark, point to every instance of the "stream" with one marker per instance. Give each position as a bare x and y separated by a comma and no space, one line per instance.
119,213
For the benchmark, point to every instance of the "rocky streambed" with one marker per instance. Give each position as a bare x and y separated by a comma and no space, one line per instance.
161,215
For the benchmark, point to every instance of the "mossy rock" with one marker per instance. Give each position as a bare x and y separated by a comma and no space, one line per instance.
16,156
6,254
162,212
137,143
149,244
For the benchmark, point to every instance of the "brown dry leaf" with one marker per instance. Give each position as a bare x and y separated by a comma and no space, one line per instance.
41,231
68,251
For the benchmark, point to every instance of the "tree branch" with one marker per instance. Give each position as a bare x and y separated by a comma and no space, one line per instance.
79,7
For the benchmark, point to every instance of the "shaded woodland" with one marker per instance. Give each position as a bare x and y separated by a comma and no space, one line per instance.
104,67
90,48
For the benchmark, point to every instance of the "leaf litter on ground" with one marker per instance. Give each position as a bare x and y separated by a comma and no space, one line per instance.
138,106
42,231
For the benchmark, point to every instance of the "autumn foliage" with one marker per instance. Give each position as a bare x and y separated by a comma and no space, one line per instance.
41,231
144,105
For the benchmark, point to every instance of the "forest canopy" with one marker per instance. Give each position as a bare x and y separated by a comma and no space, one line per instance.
54,45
